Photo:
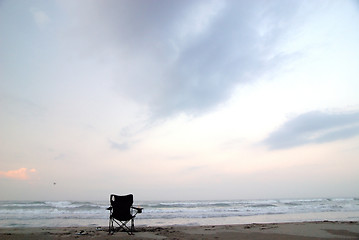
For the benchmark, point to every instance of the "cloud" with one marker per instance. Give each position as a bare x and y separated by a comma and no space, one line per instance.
119,146
21,107
186,56
21,174
314,127
60,156
40,17
193,169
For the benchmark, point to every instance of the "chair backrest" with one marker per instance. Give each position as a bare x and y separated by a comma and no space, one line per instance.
121,206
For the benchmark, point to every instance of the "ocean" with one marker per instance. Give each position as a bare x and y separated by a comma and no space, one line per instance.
160,213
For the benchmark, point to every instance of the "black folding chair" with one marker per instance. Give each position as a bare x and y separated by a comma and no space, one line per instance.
122,212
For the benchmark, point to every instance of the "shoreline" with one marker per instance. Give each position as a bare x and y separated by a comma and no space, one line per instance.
162,222
271,218
293,230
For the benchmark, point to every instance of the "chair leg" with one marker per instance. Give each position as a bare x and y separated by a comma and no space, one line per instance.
110,226
132,225
122,225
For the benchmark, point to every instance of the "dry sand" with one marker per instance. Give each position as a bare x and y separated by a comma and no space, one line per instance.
273,231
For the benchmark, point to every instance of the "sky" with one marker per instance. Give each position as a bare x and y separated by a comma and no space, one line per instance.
179,100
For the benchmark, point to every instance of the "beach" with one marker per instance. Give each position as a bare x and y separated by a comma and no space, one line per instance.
33,214
294,231
226,219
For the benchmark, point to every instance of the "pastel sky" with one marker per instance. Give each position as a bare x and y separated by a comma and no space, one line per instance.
179,100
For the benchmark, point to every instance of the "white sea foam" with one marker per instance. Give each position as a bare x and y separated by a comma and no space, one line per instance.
75,213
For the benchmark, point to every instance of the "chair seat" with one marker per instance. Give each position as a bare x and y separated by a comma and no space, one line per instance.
122,217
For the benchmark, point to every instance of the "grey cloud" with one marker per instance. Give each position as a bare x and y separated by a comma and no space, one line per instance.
193,169
60,156
314,127
187,56
343,133
21,107
119,146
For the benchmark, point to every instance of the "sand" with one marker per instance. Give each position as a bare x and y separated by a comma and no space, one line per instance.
273,231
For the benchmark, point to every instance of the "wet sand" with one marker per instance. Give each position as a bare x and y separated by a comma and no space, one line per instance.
273,231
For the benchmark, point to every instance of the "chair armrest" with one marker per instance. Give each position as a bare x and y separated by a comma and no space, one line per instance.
109,208
138,209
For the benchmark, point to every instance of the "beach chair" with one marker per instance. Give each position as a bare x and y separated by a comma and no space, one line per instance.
122,212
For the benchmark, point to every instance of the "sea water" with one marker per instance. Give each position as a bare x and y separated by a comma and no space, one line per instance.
157,213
